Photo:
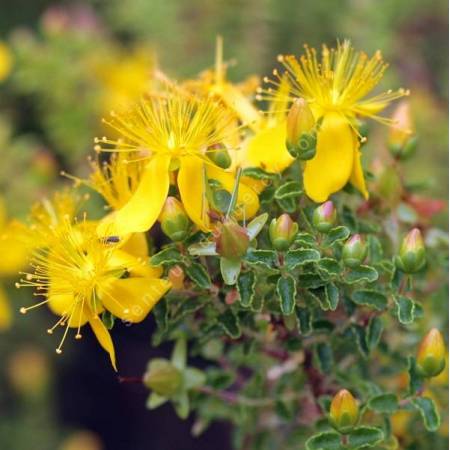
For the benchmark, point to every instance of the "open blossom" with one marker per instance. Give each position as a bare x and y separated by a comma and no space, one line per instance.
336,87
79,276
172,133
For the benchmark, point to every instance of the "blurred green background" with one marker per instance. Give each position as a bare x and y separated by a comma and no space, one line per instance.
73,61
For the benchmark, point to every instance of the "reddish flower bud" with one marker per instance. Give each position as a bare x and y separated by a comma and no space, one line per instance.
324,217
232,240
402,141
354,251
282,232
412,252
431,354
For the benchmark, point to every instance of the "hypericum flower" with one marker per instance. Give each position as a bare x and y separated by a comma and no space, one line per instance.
172,133
80,275
336,88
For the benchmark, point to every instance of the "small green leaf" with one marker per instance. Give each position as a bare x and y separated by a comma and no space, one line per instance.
361,274
335,235
154,400
324,354
203,248
299,257
428,410
365,437
310,280
329,440
198,274
193,378
287,291
305,240
161,314
304,320
181,405
169,256
359,333
375,249
264,258
373,332
288,204
179,354
384,403
372,299
327,296
329,267
230,270
258,174
256,225
230,324
405,308
108,319
291,189
246,288
416,380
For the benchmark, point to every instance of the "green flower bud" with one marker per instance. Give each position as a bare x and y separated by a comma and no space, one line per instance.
300,135
162,377
232,240
324,217
354,251
431,354
344,411
402,142
220,157
282,232
411,257
174,220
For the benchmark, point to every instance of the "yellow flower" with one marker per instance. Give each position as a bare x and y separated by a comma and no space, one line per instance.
5,61
80,275
336,88
14,248
172,133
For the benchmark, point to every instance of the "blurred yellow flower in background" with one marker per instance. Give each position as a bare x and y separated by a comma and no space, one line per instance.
6,61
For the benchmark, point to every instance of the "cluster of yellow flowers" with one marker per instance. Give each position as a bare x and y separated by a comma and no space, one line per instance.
168,144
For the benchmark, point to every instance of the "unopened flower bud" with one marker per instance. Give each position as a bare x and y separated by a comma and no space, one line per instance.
162,377
301,138
431,354
176,277
220,157
402,142
354,251
232,240
324,217
174,220
411,257
282,232
344,411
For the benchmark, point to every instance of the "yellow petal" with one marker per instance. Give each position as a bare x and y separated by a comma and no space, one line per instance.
192,186
331,167
5,311
14,248
104,338
137,267
131,299
136,245
248,203
61,304
142,210
267,149
357,176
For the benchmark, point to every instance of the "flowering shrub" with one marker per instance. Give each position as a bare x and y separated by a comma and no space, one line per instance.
297,276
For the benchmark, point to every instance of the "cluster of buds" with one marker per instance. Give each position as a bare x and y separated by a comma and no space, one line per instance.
174,220
431,354
324,217
282,232
354,251
344,411
402,142
301,136
411,257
